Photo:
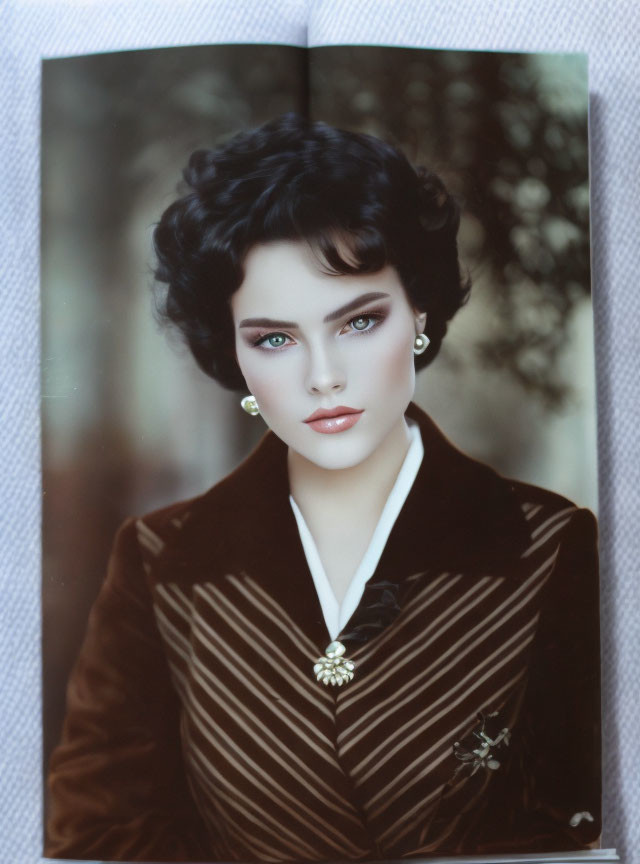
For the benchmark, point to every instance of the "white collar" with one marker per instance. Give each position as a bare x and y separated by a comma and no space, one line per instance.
336,615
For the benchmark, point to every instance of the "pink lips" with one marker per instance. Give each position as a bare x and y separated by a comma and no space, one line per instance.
333,420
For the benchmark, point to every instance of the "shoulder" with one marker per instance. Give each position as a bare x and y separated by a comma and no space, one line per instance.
500,519
532,496
218,504
559,531
564,542
158,532
223,527
549,512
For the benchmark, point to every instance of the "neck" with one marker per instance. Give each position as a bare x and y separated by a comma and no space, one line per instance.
368,483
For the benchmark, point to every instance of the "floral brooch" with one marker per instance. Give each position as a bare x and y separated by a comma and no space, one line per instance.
479,749
334,668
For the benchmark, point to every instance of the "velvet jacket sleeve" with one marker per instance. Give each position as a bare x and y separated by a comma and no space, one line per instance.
117,785
550,799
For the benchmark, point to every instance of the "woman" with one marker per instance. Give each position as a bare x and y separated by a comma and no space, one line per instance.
361,644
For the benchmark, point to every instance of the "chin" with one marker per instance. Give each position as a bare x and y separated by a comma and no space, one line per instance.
334,456
337,464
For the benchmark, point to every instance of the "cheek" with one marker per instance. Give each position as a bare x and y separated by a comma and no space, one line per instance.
261,383
266,391
253,372
267,379
396,366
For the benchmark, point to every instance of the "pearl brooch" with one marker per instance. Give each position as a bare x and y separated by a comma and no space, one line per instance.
334,668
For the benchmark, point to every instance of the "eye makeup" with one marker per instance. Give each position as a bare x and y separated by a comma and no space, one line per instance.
277,340
374,317
266,342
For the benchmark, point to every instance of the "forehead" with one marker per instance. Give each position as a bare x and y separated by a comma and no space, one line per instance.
284,279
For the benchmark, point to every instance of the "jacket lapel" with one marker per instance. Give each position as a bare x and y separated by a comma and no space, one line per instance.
459,515
245,526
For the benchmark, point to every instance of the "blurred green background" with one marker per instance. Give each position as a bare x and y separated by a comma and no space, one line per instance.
131,424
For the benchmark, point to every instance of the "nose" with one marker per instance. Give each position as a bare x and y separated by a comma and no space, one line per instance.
325,372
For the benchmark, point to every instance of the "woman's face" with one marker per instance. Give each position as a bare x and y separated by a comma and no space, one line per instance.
309,343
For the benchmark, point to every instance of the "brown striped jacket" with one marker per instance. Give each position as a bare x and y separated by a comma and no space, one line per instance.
197,731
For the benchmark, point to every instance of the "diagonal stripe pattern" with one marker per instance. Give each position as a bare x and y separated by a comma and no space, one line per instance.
284,769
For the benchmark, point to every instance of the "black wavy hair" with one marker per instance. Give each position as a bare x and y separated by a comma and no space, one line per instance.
354,198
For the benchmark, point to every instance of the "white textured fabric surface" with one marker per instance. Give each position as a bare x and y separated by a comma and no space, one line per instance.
608,31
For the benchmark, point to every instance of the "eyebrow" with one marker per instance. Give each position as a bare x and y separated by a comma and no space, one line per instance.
332,316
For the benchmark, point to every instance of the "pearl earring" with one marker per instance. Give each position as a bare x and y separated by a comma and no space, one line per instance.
250,405
420,343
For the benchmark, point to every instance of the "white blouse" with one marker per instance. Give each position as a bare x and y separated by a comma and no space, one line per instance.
335,614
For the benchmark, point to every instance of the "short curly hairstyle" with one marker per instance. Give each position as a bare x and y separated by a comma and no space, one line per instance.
354,198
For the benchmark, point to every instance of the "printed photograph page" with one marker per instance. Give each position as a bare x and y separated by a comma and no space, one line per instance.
514,381
320,573
508,133
127,418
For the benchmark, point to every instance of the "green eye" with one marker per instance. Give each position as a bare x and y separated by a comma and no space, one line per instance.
277,340
360,323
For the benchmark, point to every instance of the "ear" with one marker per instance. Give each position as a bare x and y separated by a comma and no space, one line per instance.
421,320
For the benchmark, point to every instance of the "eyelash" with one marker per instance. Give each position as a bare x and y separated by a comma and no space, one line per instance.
376,317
